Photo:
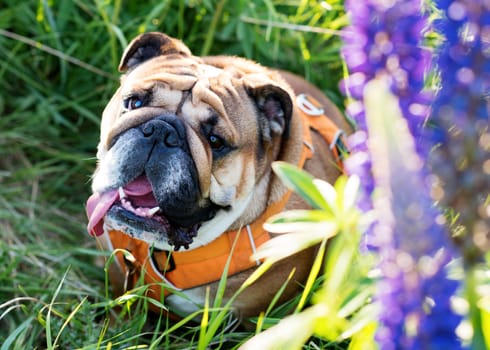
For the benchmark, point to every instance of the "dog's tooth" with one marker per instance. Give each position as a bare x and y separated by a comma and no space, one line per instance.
122,194
153,211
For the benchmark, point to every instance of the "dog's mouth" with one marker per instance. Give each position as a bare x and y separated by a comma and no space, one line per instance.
134,210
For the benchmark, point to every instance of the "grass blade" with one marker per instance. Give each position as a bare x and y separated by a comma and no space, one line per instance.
49,344
315,269
9,341
67,321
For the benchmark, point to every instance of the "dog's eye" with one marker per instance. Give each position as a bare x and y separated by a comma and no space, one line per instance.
217,144
133,102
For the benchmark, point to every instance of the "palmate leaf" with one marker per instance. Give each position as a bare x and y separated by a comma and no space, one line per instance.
339,298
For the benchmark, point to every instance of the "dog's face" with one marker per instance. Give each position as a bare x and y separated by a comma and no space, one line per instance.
186,144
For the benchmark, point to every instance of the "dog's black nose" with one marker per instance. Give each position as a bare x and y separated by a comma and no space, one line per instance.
167,129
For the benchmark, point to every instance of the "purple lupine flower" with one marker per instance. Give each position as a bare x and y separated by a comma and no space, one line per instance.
414,292
383,39
458,129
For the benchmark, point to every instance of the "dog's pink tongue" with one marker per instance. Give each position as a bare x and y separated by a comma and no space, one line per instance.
99,203
97,206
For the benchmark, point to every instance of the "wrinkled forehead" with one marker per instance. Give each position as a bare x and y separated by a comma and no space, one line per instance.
179,74
206,83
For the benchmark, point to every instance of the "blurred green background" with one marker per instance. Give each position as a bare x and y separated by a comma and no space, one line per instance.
58,69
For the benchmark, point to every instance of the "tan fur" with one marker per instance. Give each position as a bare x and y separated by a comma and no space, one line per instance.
219,85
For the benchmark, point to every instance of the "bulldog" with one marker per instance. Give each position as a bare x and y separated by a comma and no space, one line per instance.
184,179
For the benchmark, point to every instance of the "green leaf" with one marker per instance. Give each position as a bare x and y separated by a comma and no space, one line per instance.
350,192
291,333
309,223
299,215
204,323
266,265
329,193
302,183
315,269
290,243
485,319
364,339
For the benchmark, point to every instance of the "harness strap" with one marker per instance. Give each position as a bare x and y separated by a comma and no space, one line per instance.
203,265
313,112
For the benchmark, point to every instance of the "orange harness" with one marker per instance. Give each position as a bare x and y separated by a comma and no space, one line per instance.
203,265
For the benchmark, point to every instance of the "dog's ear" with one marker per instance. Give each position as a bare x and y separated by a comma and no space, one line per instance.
149,45
274,103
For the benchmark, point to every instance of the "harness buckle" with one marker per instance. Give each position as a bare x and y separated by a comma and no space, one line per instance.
309,105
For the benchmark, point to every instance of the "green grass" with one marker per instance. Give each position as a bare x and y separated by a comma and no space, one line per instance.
58,68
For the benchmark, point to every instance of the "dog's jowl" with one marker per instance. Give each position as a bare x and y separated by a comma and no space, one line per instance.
184,171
